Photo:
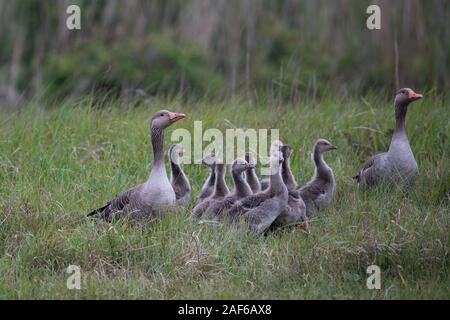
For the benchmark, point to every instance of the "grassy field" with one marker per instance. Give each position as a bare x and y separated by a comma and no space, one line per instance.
57,165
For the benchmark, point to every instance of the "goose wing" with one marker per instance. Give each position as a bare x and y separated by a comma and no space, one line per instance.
218,208
261,217
119,203
368,172
312,190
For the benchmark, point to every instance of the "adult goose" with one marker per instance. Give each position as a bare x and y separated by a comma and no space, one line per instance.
296,209
208,186
178,179
319,191
220,191
398,163
261,209
241,189
250,174
150,199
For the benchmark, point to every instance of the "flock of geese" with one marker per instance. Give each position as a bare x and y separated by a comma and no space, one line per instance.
262,204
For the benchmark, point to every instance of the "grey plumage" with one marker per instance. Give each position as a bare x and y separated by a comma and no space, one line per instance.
250,175
208,186
260,210
319,191
296,209
178,179
265,183
275,146
241,190
220,191
398,164
151,199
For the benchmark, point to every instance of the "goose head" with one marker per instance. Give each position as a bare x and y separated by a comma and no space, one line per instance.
164,118
276,159
405,96
210,160
275,146
175,153
240,165
286,150
323,145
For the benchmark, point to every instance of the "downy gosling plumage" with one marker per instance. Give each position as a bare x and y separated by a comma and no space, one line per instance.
220,191
178,179
250,175
208,186
296,209
319,191
241,189
260,210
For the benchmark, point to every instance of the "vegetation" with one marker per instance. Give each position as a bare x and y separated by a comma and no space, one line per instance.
220,47
57,165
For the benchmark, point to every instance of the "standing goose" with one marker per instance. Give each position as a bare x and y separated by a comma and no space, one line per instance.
220,191
296,208
241,189
208,185
398,163
150,199
318,192
260,210
178,179
250,174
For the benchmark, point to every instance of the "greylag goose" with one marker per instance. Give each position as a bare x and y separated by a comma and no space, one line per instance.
208,185
220,191
319,191
296,208
398,163
250,174
241,189
150,199
178,178
260,210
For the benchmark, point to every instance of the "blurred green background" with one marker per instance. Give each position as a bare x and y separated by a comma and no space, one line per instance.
220,48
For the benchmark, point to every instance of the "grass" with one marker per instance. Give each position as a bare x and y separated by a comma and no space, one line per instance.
57,165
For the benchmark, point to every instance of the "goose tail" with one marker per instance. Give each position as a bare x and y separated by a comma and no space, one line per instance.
97,211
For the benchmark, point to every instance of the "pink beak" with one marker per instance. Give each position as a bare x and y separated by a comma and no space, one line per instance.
175,116
414,96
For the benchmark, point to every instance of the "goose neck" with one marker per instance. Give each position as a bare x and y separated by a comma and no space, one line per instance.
175,169
242,187
252,180
220,186
400,120
212,176
288,177
157,136
322,169
276,183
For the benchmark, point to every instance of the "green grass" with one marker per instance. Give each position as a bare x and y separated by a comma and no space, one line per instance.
57,165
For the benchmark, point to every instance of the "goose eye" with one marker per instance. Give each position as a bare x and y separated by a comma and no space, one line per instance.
162,114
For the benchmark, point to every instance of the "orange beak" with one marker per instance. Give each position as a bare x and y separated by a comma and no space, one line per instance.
414,96
175,116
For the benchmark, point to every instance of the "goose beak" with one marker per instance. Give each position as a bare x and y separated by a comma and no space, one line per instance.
175,116
414,96
333,147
